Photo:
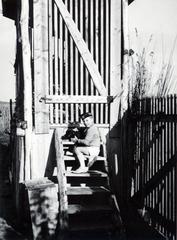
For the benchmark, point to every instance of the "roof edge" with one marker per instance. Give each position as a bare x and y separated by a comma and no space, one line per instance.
9,8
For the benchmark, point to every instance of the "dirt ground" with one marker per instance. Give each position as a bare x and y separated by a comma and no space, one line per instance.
8,228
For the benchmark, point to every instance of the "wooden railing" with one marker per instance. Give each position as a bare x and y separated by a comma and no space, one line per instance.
62,194
152,165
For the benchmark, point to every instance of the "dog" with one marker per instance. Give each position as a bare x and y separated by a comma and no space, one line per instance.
74,130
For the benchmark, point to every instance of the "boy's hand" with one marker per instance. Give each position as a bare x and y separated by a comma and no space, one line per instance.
74,140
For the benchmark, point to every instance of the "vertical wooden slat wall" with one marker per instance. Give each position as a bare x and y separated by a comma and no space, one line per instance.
155,160
68,73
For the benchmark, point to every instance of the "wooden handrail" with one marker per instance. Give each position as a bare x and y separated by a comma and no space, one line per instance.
61,176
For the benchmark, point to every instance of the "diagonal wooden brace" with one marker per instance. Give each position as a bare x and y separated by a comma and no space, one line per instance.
82,48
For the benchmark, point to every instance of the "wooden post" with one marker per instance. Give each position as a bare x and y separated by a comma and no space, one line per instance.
113,141
126,65
61,176
115,59
26,55
40,9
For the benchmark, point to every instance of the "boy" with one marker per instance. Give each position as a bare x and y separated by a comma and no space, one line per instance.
90,145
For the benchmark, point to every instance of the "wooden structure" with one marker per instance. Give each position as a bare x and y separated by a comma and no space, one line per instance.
69,60
151,163
69,66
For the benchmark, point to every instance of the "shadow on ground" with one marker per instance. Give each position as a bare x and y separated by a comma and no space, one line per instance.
7,214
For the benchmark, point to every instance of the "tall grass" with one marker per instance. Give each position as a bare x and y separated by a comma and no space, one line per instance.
144,80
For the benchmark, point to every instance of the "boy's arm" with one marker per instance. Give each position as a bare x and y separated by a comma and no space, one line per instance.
81,141
90,136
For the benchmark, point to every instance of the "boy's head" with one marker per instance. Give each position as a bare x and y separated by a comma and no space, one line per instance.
87,118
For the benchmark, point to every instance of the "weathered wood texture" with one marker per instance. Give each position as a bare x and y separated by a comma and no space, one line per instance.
62,186
5,115
76,99
40,51
43,206
26,56
152,172
115,58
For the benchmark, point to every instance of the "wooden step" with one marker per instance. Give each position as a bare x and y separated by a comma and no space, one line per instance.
100,225
86,190
89,235
90,173
91,178
87,179
78,209
72,158
93,173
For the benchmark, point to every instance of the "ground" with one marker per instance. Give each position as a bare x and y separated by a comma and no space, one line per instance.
8,228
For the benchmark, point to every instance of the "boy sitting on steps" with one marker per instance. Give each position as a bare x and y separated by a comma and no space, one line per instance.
90,145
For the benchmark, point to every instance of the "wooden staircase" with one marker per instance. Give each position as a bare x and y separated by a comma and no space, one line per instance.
87,208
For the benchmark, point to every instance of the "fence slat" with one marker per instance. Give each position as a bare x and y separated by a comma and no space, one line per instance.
155,160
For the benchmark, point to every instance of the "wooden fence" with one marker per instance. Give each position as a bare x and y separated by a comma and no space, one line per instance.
153,169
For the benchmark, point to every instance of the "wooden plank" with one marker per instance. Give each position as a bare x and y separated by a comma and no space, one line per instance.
87,174
76,208
53,126
71,65
102,49
61,62
72,158
43,205
63,205
51,51
38,183
115,59
40,9
96,51
75,99
82,47
26,55
86,190
107,51
91,6
77,76
86,37
66,59
56,63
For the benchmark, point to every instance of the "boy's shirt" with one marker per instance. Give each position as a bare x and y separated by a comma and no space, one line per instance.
92,138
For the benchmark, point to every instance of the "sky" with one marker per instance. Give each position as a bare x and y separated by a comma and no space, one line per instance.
150,17
155,23
7,58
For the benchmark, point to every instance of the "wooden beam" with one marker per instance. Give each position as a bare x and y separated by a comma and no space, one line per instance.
126,59
115,59
40,9
75,99
61,176
26,55
82,48
63,126
157,178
